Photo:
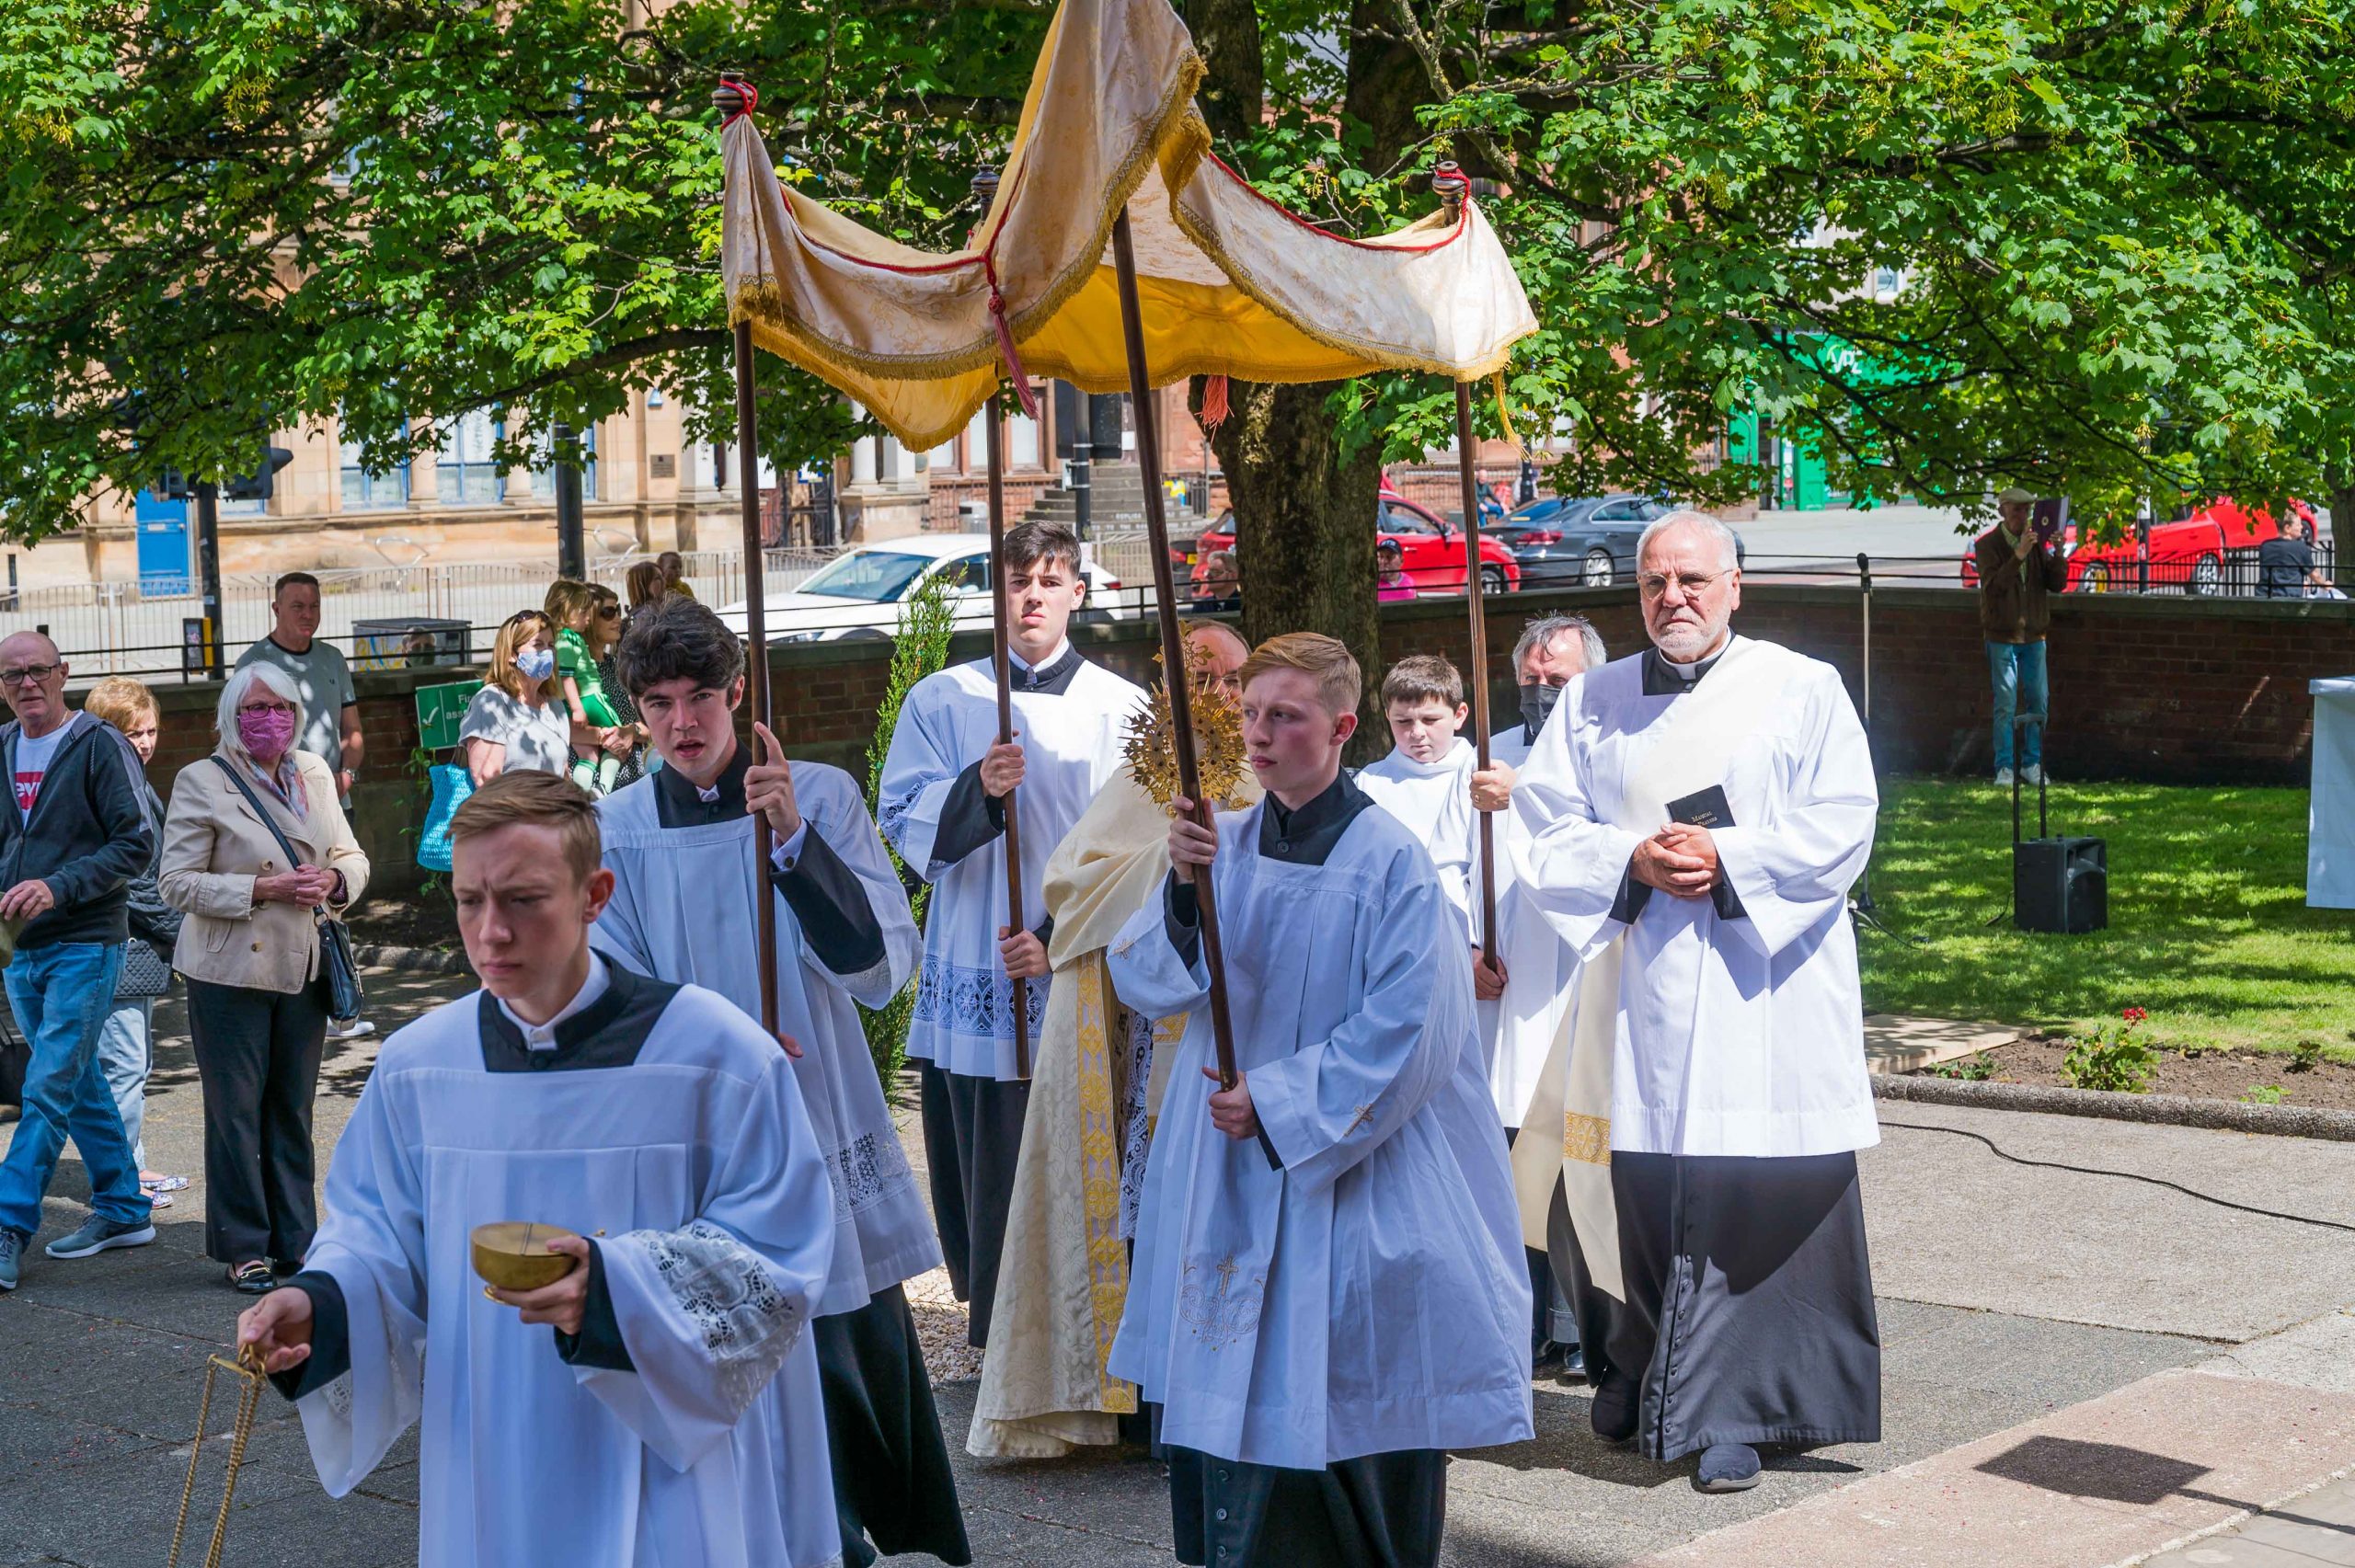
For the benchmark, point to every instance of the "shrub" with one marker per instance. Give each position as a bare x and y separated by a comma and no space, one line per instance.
2110,1058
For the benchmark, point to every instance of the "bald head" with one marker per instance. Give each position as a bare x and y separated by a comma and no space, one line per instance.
1221,651
33,676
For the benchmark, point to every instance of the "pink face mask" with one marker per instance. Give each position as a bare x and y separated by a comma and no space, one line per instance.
266,732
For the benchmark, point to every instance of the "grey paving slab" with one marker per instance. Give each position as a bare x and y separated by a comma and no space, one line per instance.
2312,1531
1954,1224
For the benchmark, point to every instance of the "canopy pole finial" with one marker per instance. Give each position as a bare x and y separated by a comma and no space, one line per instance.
734,96
1449,181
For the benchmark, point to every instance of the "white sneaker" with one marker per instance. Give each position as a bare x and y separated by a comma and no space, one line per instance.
358,1029
2033,773
2002,778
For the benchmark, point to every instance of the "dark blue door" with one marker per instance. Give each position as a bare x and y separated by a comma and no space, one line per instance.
163,544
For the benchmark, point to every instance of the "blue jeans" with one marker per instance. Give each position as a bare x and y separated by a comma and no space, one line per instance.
126,1052
2018,673
60,995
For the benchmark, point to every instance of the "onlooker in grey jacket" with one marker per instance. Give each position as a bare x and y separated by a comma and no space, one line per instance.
71,840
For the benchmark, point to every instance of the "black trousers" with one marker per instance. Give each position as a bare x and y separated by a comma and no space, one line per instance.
973,1141
257,1053
1750,1315
891,1477
1382,1511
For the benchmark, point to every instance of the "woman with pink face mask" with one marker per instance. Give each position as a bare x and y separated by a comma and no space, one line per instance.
249,948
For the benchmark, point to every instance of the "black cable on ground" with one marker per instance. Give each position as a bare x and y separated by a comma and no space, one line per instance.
2122,1175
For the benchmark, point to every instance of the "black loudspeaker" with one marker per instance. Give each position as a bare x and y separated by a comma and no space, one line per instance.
2061,885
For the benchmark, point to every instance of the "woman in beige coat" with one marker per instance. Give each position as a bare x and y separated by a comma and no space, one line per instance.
250,947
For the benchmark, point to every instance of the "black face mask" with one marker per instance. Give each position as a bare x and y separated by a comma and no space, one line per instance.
1536,703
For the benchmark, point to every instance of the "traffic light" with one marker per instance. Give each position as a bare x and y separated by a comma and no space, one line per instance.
256,486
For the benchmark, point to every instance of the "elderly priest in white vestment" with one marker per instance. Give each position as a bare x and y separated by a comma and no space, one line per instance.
660,1402
1328,1291
1691,819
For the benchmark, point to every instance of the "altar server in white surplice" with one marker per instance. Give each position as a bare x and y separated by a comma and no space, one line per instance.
1424,780
1694,817
1522,1008
1328,1292
659,1402
679,844
942,804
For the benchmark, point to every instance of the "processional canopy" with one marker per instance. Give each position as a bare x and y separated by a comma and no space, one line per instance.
1230,283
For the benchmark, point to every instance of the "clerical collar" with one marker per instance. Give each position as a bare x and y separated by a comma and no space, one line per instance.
1308,837
607,1029
1663,679
542,1037
1054,677
680,802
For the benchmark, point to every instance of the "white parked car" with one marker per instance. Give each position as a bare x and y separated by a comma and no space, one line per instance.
858,593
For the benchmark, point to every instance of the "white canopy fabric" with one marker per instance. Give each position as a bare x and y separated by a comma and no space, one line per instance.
1229,283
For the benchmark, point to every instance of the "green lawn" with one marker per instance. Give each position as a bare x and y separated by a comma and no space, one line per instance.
2208,927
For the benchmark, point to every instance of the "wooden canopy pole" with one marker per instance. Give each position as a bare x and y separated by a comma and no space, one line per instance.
1452,186
1173,646
734,97
985,188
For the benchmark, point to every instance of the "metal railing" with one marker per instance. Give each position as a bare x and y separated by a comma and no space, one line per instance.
121,628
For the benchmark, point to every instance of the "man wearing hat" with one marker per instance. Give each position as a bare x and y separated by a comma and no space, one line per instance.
2019,569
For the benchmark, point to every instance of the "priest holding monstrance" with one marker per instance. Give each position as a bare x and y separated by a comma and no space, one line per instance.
643,1386
1693,817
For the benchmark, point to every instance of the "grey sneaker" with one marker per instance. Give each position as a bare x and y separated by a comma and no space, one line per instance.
2032,773
2002,778
1728,1467
12,1247
96,1235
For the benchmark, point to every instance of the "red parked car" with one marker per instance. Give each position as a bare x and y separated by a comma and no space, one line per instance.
2204,550
1432,546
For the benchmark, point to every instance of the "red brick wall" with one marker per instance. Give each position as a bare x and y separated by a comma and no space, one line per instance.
2162,689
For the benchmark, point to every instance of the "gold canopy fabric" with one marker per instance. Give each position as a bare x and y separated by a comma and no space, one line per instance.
1229,284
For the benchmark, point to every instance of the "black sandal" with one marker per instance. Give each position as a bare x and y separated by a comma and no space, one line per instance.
252,1278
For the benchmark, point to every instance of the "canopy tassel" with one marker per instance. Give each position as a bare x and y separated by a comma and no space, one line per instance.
1504,414
1213,402
1005,349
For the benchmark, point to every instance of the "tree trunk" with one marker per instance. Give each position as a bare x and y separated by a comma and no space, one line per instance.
1304,521
2340,482
1305,510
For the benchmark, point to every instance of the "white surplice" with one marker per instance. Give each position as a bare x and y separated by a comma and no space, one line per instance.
1370,1294
1541,970
1434,800
1731,1036
1071,743
692,1164
683,911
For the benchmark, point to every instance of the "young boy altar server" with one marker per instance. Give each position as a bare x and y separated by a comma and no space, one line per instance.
1425,779
1328,1289
685,909
943,807
659,1402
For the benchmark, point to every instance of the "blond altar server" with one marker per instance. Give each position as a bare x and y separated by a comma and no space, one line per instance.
657,1403
1329,1293
1693,818
1096,1086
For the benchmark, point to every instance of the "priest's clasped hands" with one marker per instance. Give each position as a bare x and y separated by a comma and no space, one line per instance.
1680,858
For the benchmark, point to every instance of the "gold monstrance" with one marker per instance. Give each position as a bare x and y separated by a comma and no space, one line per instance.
1151,745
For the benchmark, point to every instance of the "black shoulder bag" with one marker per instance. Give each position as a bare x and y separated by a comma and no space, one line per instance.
337,965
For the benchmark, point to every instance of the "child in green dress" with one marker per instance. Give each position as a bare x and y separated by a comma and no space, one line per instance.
574,607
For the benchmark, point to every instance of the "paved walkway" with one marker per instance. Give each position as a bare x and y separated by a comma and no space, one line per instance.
2080,1371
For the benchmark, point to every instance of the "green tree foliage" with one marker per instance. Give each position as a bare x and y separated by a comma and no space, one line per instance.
2123,227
